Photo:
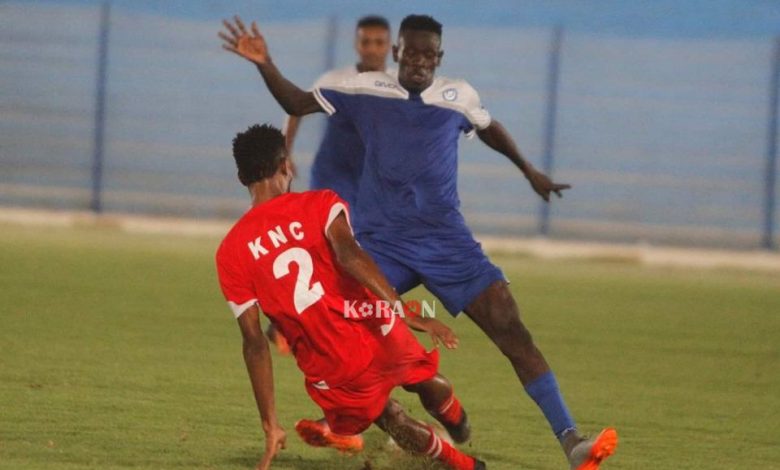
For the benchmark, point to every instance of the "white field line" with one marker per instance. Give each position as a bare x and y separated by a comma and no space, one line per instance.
754,260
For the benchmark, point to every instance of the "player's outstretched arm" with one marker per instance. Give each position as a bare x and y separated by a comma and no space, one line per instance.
251,46
257,357
497,138
362,267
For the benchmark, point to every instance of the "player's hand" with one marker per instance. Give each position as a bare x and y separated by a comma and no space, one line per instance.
249,45
543,185
440,333
275,440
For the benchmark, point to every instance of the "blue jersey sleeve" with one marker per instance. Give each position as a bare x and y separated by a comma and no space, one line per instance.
332,102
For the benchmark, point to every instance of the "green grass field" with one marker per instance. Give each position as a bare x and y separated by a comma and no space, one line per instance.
117,351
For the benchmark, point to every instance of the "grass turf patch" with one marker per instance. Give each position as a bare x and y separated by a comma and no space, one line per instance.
119,352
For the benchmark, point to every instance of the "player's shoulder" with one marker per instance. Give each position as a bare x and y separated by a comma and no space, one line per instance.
372,83
455,91
310,201
336,76
323,196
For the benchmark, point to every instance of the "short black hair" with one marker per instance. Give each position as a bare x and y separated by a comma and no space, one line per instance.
421,23
258,152
373,20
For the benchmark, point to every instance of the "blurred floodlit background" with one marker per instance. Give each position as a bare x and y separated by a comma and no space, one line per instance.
662,114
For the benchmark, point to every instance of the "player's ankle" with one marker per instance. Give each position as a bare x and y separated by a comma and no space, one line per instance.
569,439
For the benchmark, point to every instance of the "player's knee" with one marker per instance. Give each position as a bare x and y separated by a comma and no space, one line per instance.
513,338
393,415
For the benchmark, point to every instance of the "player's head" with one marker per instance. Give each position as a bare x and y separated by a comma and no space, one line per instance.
372,42
418,51
261,155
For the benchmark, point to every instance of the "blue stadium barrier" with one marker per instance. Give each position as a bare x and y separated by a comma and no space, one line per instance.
665,139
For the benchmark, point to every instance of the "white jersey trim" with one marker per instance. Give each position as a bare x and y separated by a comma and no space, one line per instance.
239,309
324,103
380,84
335,210
458,96
322,385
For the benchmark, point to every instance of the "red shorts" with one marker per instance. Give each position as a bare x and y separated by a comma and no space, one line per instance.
401,360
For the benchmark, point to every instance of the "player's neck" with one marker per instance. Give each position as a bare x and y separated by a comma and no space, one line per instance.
265,190
361,68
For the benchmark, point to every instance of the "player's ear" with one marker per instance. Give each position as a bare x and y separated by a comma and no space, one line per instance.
284,166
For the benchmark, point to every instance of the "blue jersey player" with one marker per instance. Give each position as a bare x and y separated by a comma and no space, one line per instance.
407,214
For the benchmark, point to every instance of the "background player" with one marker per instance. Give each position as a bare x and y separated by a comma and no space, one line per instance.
339,159
294,256
407,210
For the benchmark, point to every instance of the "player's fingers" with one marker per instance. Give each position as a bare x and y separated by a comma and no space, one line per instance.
231,49
240,24
265,462
255,29
227,38
558,193
560,187
231,28
435,339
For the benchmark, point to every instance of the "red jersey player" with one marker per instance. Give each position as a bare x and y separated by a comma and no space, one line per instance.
293,256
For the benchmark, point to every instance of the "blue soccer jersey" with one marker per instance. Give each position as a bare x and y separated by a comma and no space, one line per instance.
407,212
409,179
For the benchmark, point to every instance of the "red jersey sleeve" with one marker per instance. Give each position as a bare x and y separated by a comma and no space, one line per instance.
235,283
333,206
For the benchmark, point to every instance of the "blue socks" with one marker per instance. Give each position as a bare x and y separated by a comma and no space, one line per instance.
544,391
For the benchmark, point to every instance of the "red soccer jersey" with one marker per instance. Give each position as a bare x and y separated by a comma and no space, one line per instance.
278,256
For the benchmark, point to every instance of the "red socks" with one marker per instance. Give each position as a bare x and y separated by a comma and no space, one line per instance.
448,455
451,411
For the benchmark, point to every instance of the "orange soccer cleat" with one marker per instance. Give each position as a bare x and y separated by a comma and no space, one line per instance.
318,434
588,454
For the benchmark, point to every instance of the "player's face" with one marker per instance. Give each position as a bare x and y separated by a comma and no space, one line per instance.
418,53
372,44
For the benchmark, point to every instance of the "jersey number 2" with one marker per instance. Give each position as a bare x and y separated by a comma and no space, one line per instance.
304,295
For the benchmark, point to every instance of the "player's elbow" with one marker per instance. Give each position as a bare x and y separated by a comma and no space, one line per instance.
292,108
295,105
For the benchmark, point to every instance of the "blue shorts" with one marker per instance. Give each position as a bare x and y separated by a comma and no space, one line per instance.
452,266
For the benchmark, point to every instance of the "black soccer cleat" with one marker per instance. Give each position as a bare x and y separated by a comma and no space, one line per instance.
479,465
460,432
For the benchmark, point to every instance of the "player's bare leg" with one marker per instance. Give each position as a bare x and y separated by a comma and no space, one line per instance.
417,438
438,398
496,313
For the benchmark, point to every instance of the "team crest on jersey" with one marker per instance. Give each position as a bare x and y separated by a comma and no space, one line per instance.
450,94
